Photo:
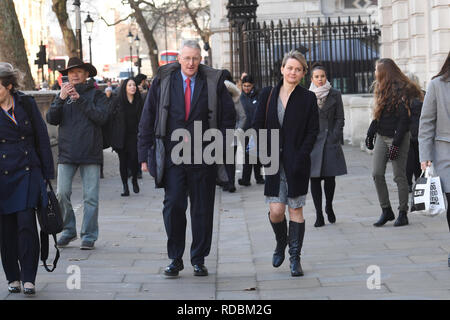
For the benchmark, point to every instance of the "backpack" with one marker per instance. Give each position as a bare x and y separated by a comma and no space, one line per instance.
49,216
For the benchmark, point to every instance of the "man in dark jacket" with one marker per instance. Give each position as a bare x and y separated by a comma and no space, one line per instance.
184,94
79,110
249,100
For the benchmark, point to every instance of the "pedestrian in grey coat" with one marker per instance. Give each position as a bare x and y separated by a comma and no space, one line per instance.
327,156
434,130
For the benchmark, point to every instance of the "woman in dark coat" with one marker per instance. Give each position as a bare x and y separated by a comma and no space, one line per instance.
23,136
327,157
290,110
126,113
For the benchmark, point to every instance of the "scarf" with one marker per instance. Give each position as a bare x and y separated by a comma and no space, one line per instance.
321,93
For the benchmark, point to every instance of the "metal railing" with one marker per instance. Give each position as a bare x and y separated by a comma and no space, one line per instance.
347,50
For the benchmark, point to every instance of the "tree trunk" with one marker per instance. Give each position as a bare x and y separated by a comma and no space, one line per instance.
59,7
12,44
148,35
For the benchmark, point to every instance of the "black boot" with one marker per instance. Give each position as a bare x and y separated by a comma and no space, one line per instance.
386,215
280,230
126,191
330,213
296,234
135,185
320,222
402,219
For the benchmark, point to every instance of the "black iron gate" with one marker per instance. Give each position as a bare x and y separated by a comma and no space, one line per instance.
347,49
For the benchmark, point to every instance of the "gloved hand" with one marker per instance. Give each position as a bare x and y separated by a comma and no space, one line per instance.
393,152
369,143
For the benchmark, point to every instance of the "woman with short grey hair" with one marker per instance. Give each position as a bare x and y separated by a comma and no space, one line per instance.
25,161
292,111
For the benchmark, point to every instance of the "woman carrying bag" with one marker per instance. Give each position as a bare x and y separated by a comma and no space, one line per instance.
434,130
25,161
292,110
390,130
327,157
126,113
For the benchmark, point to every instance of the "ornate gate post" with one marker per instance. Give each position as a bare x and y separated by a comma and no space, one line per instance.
240,13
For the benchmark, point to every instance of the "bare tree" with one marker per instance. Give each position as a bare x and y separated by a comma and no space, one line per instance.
12,44
59,7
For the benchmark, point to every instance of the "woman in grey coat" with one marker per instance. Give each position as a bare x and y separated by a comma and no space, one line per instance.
434,130
327,157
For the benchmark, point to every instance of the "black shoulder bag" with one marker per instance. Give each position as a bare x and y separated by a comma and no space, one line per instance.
49,216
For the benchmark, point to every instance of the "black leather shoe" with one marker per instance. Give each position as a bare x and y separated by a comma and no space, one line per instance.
402,219
135,185
126,191
244,183
14,287
449,260
260,181
330,214
320,221
200,270
386,216
31,290
174,268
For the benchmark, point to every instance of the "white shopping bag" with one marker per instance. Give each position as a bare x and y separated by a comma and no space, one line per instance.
428,198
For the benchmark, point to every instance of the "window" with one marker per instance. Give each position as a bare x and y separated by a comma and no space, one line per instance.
359,4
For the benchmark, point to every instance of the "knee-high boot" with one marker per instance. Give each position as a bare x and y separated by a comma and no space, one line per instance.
280,230
296,235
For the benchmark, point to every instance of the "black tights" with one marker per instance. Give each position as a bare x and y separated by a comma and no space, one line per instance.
316,191
128,159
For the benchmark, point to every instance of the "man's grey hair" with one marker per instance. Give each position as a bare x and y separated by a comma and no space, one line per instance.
190,44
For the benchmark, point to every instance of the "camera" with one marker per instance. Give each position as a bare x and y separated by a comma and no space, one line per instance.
65,79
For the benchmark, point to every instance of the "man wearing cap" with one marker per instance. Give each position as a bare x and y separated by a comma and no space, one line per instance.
79,110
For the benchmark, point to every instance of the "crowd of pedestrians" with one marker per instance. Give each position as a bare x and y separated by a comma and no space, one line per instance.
138,122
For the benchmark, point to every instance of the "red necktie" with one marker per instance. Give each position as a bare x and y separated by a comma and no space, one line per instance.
187,98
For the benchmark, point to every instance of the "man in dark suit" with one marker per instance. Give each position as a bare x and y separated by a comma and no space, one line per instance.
182,94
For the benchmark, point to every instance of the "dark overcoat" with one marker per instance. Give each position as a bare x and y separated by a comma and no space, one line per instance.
296,138
327,157
22,172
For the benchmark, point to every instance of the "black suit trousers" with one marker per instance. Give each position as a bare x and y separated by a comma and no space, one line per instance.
197,183
20,244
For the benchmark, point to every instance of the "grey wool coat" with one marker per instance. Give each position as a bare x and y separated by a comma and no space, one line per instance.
434,129
327,156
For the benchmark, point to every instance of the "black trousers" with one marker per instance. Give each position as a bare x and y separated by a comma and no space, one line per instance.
247,167
128,159
413,163
231,169
197,183
316,191
20,244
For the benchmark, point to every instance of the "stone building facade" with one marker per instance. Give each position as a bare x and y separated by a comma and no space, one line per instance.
416,35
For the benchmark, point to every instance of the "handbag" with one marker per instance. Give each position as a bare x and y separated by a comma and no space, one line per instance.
51,223
428,198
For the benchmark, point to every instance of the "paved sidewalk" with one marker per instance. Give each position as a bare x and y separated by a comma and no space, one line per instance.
130,255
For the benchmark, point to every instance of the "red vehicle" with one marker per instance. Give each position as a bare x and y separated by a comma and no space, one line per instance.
167,57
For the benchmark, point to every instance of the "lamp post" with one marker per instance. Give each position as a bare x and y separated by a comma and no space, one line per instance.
89,25
77,5
137,43
130,41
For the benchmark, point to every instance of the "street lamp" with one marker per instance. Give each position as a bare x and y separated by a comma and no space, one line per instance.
130,41
137,42
77,5
89,26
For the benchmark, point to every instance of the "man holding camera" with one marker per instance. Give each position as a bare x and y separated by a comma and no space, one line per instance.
79,110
